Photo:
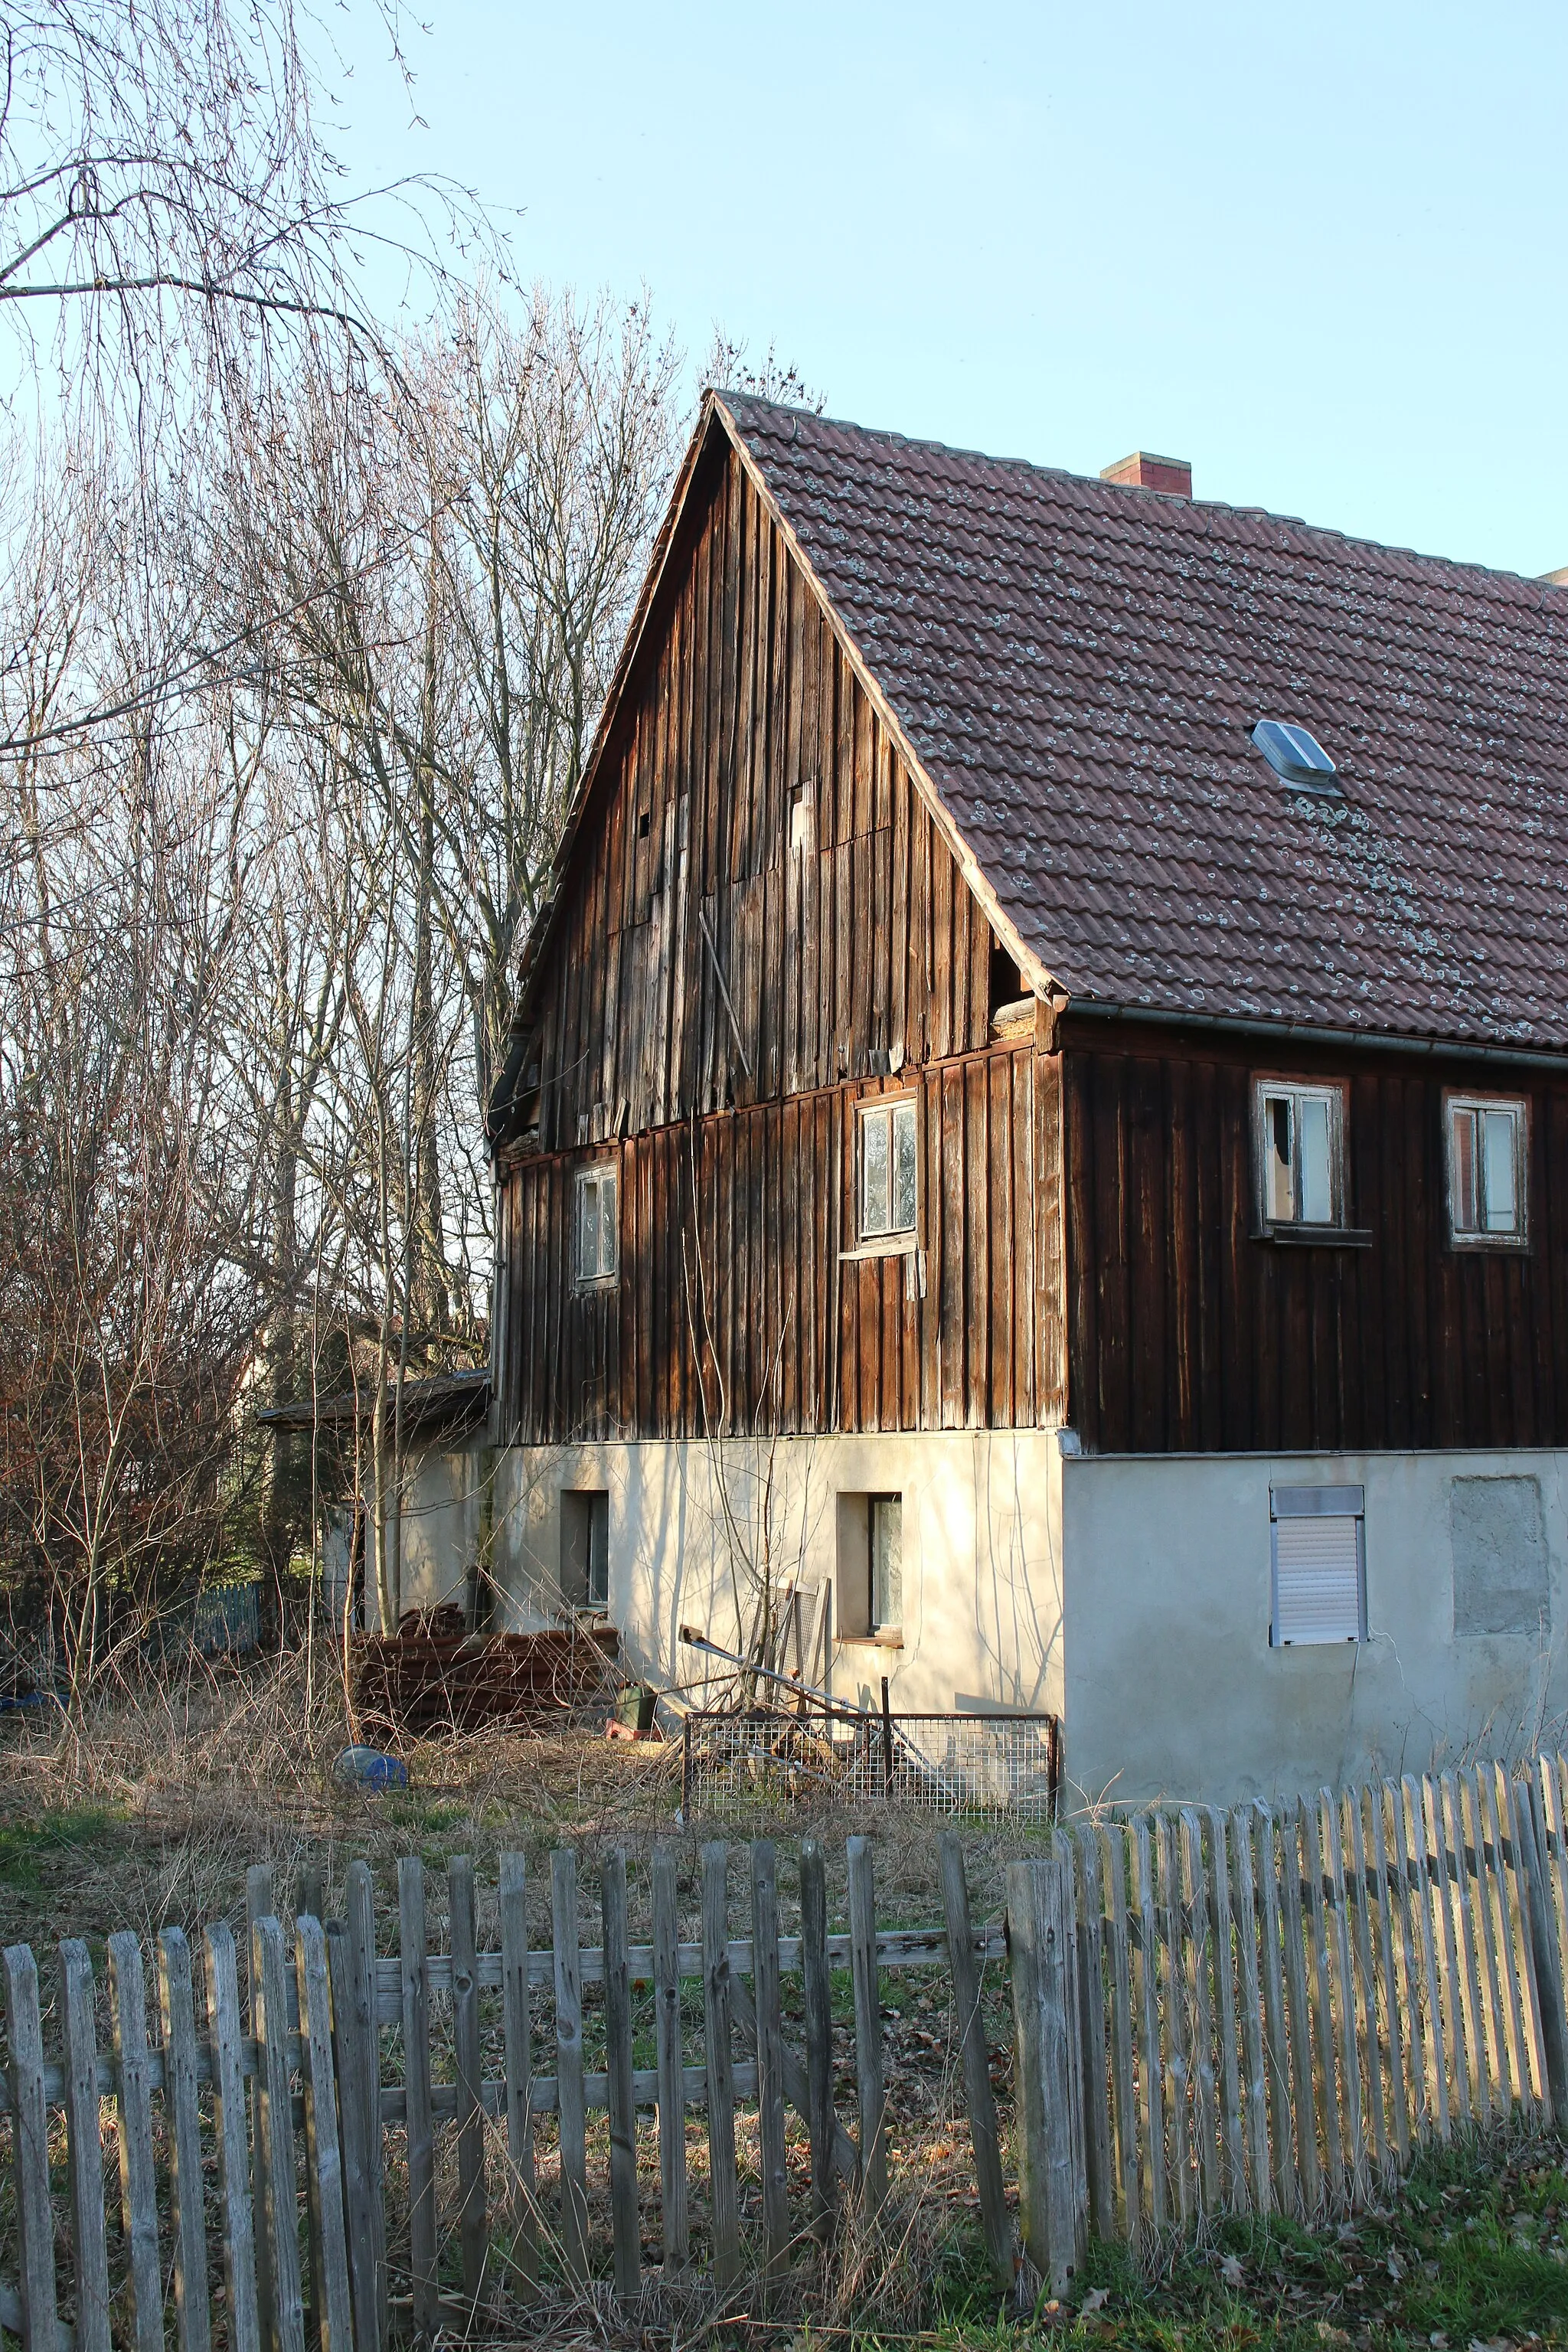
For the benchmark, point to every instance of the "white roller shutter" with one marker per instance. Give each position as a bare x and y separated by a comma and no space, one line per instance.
1317,1564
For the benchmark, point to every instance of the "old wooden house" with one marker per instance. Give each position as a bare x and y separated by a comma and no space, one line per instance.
1038,1115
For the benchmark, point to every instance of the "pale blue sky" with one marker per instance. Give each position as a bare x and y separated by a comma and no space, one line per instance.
1319,250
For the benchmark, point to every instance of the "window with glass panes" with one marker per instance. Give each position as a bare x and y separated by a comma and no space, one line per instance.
598,1238
888,1164
1301,1149
884,1529
1486,1170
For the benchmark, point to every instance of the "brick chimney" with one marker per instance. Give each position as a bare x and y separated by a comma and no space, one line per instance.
1144,472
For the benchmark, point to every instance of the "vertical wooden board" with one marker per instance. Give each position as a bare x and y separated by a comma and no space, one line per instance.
1025,1288
817,1988
1507,1925
517,2043
84,2151
1116,1845
1460,1859
1199,1957
717,2021
767,2002
1361,1893
176,2000
1146,1143
1095,2069
138,2178
867,1990
473,2224
1345,1990
1221,1928
274,2125
1392,2005
668,2047
1483,1870
323,2153
1320,1929
415,1983
977,1319
1172,1926
625,2220
1448,1954
898,942
999,1401
237,2232
569,2083
30,2153
1151,2119
1509,1798
1244,1907
1421,1868
1267,1850
348,2052
1417,2020
1042,1953
1293,1940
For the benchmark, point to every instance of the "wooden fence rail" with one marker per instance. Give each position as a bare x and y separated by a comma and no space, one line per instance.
1212,2011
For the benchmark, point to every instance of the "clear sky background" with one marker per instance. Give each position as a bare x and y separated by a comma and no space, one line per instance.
1320,250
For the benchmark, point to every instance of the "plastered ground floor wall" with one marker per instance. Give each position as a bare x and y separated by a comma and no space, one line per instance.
1172,1689
696,1531
1132,1596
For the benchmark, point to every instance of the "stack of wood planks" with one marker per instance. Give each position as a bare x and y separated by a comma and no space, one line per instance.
431,1675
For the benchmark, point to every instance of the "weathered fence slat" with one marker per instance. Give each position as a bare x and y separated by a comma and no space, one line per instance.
1151,2106
259,1905
1178,2078
275,2123
767,2001
723,2187
1449,1953
1042,1941
1315,1916
979,2096
1473,1815
625,2220
30,2149
1365,1948
473,2219
84,2150
233,2173
1346,2036
1093,2071
570,2104
1116,1847
1309,2170
1475,2020
348,2070
671,2084
1224,1978
1199,1957
361,2021
137,2180
1255,2090
419,2122
517,2043
323,2151
1390,2006
1509,1930
1287,2190
176,2002
867,2022
818,1991
1511,1798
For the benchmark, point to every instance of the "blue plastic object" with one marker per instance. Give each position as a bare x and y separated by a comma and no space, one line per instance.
367,1768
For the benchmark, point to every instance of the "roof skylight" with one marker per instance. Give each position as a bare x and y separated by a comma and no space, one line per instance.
1296,754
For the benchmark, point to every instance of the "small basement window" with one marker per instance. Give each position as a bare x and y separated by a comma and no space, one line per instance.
888,1166
1296,754
585,1549
1486,1170
1320,1565
870,1599
1300,1153
598,1232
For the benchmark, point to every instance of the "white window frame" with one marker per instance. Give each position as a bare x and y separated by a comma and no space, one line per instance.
1291,1506
605,1176
1297,1092
892,1110
1457,1106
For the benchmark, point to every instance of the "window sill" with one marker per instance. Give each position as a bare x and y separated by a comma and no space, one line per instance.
888,1245
588,1287
884,1640
1517,1244
1316,1236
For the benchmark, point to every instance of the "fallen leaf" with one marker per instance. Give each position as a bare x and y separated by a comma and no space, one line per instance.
1095,2299
1230,2270
1395,2267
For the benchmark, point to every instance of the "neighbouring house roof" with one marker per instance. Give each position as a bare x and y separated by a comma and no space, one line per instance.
445,1403
1077,668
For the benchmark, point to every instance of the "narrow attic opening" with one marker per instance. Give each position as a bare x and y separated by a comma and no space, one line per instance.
1006,984
1295,754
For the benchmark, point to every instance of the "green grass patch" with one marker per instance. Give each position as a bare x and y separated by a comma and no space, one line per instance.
26,1848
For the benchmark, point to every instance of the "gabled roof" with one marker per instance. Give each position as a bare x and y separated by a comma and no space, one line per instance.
1077,668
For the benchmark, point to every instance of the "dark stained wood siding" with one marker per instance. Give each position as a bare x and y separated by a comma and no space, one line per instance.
1185,1332
860,953
716,998
735,1310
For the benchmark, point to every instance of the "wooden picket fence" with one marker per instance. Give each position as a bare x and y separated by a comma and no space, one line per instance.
1212,2011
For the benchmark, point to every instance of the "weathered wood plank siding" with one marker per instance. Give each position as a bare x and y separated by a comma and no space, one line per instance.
1186,1333
735,1310
761,922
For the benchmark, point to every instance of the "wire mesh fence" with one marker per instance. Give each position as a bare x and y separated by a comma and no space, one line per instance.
993,1764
